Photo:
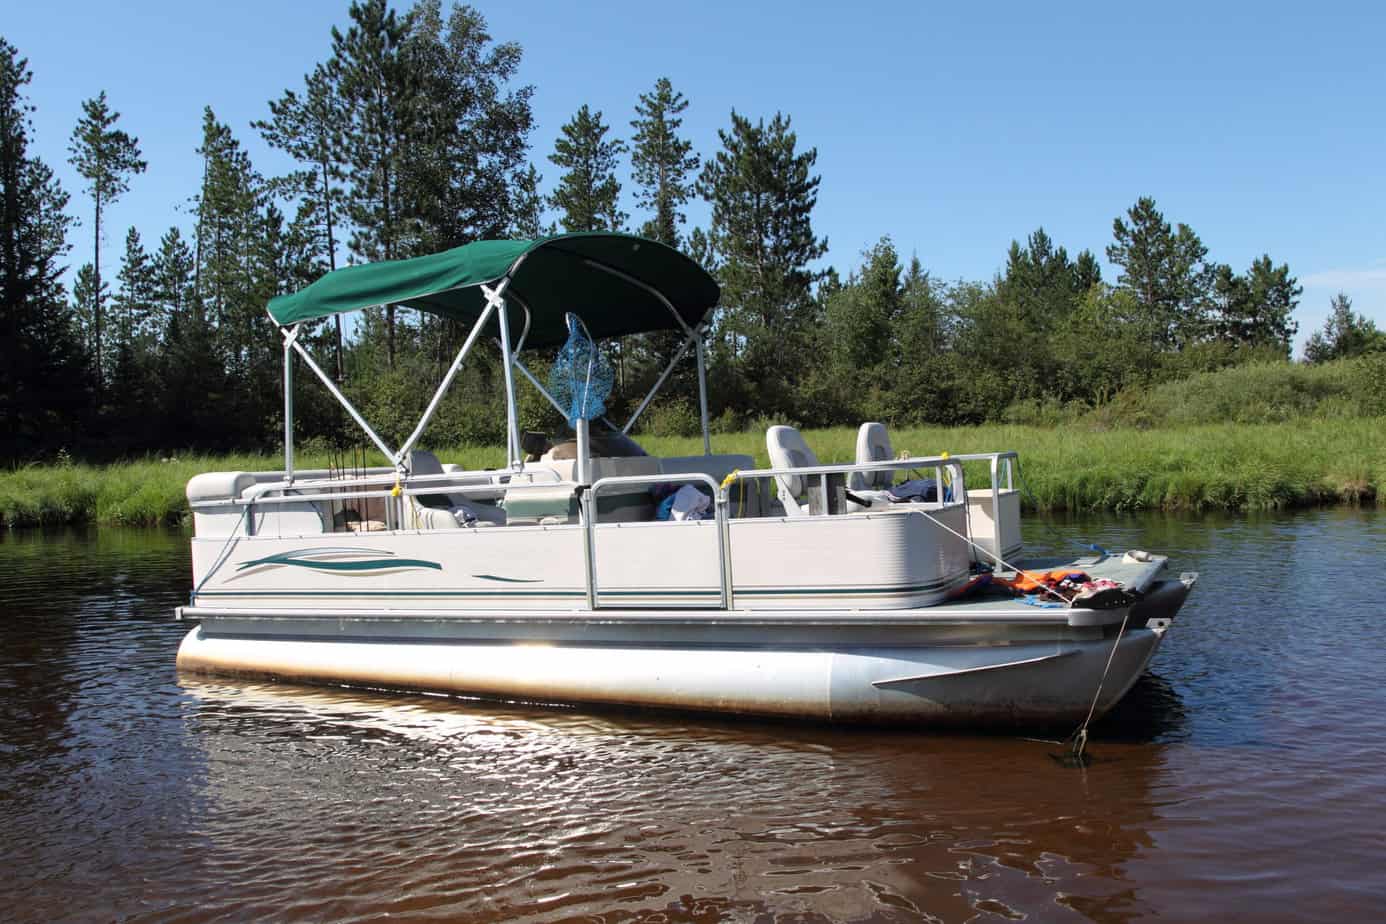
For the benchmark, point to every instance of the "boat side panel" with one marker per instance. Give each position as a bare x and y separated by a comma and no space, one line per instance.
886,561
892,560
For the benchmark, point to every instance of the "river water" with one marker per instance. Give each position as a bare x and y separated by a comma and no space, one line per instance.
1243,779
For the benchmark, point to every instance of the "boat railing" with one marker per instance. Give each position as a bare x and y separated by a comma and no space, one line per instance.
1001,469
394,487
590,517
952,465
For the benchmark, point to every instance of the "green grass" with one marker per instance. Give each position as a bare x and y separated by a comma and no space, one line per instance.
1190,468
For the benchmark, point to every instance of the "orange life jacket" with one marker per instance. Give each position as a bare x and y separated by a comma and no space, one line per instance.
1029,582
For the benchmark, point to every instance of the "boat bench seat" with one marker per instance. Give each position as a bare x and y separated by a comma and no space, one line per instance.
291,519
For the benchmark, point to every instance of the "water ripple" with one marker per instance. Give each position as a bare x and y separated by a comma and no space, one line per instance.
1243,776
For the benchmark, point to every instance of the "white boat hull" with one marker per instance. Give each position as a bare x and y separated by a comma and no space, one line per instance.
935,675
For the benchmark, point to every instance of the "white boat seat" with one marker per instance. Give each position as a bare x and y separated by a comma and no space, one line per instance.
787,449
873,445
449,511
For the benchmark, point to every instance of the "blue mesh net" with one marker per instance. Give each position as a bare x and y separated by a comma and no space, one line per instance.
581,378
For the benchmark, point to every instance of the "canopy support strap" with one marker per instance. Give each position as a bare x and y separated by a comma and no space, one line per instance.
659,383
493,301
341,398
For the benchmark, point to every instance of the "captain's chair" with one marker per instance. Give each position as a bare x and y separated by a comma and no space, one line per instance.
448,511
788,450
873,445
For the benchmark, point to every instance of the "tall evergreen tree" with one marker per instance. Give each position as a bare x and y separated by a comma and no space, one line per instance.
662,163
84,305
134,300
309,128
173,272
106,157
381,97
588,193
528,221
1345,334
1166,270
225,210
42,381
1256,309
463,171
763,191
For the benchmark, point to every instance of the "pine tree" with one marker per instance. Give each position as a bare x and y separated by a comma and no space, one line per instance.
1345,334
309,128
42,382
225,210
661,162
463,171
528,220
1166,270
588,193
106,157
1255,310
381,97
131,351
173,272
134,300
84,305
762,193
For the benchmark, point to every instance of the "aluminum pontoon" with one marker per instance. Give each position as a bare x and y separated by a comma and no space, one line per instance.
553,581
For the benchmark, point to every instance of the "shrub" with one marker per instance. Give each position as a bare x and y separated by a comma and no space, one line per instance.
671,417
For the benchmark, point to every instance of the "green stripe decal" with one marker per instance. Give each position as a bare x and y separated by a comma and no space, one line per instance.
340,559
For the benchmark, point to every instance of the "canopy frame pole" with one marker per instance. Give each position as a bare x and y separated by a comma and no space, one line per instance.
512,419
290,337
491,304
524,370
641,285
659,383
342,399
702,389
548,396
524,334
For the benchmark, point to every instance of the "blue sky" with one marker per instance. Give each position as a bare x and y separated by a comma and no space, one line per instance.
951,127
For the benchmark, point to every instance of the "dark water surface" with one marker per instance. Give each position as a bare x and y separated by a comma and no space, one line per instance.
1244,779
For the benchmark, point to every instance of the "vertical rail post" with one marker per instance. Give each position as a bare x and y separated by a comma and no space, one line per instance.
512,421
702,390
289,337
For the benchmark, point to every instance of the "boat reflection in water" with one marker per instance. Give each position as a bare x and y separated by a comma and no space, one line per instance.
423,805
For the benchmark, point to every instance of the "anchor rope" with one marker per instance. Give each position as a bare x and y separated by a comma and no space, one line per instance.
1080,736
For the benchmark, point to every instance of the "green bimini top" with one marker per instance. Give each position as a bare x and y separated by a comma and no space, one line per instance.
605,278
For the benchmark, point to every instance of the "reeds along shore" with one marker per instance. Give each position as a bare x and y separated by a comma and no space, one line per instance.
1233,467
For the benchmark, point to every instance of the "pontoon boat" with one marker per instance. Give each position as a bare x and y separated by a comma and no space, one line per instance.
825,592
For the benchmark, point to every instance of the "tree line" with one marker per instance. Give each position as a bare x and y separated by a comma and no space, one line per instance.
414,135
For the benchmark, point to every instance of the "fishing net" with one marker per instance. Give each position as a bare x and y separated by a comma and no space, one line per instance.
581,378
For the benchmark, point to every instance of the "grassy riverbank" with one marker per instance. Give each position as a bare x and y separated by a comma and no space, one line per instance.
1223,467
